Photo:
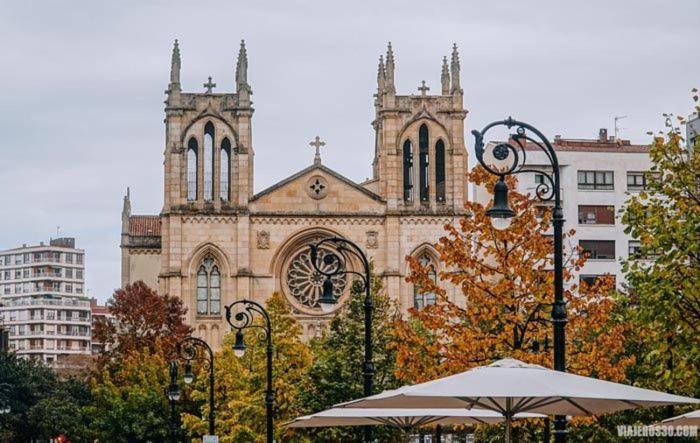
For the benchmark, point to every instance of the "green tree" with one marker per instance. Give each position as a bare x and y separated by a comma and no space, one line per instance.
336,373
663,285
241,382
42,405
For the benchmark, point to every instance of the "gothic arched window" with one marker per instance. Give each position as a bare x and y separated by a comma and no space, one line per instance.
407,171
225,191
440,171
208,288
422,299
208,161
423,162
192,149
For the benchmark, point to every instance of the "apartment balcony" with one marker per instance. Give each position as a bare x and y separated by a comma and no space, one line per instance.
46,302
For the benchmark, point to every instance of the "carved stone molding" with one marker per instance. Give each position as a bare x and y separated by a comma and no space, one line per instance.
263,238
317,221
425,220
202,219
372,239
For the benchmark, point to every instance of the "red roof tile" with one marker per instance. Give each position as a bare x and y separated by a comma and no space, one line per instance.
144,225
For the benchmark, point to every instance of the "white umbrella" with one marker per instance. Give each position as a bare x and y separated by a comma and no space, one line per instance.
510,387
689,419
400,418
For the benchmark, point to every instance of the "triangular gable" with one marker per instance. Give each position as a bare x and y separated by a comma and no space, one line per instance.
309,170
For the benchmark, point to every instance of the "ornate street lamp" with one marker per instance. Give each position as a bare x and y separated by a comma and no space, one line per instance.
337,252
550,189
173,393
188,349
244,318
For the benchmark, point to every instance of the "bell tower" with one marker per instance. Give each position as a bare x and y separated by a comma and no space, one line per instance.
420,158
208,150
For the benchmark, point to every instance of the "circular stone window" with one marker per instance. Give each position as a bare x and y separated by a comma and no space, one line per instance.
317,187
304,284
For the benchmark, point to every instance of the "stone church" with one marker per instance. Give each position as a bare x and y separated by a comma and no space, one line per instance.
216,240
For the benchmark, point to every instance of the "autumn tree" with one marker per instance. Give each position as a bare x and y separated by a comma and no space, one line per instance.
142,319
506,284
663,285
241,382
336,373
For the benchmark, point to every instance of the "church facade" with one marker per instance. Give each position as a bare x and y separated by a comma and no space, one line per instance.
215,241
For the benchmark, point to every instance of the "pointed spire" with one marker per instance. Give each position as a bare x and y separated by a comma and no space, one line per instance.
389,71
381,76
242,70
445,77
175,64
126,212
454,67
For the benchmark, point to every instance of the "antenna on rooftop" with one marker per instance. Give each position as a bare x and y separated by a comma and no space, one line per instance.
617,128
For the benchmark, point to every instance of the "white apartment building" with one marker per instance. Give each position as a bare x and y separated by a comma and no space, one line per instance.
42,300
597,177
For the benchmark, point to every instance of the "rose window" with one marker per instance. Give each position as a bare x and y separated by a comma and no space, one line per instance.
306,284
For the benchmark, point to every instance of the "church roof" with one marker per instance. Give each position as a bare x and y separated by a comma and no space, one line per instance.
144,225
323,168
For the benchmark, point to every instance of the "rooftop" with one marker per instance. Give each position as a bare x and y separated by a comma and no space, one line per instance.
144,225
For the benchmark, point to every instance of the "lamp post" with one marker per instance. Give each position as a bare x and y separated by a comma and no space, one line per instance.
338,250
242,319
188,348
550,189
173,394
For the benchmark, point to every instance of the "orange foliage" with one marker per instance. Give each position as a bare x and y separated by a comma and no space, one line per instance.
506,279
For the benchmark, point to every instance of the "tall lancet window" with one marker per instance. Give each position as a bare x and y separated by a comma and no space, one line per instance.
208,161
225,191
192,149
422,298
407,171
208,288
440,170
423,162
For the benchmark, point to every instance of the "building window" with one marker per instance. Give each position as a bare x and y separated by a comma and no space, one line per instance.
79,259
305,283
208,161
639,181
224,192
634,249
69,272
440,171
69,288
539,179
79,273
422,299
208,288
599,180
407,171
598,249
596,215
68,257
590,280
192,151
423,162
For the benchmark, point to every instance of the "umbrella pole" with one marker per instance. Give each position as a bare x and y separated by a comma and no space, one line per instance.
438,434
508,429
508,415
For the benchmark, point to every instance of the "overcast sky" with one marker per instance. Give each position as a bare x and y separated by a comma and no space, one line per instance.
83,81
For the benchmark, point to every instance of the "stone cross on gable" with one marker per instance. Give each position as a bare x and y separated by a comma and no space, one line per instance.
209,85
423,89
317,143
